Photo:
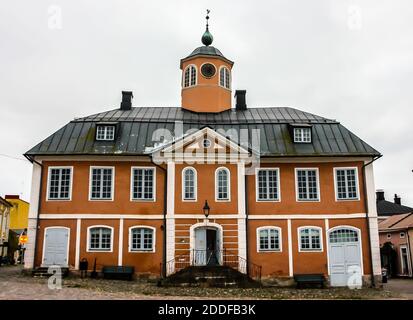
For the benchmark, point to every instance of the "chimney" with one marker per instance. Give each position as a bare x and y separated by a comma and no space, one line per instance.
126,103
379,195
397,200
240,100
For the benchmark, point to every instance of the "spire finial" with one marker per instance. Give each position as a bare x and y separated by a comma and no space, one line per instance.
207,36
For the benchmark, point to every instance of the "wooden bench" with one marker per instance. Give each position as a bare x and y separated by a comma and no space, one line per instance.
309,279
118,272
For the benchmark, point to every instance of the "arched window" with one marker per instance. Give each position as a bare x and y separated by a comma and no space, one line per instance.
343,235
310,239
224,77
189,184
222,185
268,239
142,238
100,238
190,76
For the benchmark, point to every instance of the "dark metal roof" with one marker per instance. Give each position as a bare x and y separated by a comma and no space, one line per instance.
136,127
207,51
387,208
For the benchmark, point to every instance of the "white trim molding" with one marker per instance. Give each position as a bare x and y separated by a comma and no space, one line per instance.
88,249
184,170
228,184
33,216
120,243
319,229
290,249
278,199
132,176
69,198
112,191
316,169
77,248
153,250
357,198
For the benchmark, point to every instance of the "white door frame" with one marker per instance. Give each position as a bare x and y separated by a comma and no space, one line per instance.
206,224
404,245
359,241
44,243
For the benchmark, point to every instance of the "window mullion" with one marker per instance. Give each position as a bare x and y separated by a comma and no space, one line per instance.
59,183
347,191
307,184
101,183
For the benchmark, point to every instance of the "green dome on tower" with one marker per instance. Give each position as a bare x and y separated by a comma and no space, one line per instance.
207,38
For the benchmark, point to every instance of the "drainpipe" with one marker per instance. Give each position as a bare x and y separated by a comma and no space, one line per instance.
246,224
410,253
36,240
366,207
163,271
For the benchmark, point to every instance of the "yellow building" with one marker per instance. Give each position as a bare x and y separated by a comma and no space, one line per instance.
19,213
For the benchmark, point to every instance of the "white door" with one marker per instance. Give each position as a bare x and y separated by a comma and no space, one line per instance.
199,253
56,247
344,257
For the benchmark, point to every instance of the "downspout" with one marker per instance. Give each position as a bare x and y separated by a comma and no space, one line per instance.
246,224
38,208
366,207
165,195
410,252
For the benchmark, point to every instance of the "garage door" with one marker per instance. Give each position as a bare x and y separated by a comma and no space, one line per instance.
56,246
344,257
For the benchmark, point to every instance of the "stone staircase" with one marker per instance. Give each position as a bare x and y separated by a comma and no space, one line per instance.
41,272
209,276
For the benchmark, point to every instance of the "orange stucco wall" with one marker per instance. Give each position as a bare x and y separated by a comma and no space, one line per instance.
288,203
206,190
207,95
80,196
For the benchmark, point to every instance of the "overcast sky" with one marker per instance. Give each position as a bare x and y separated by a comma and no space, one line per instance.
346,60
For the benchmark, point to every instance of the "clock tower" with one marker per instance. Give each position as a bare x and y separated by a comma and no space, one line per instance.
206,78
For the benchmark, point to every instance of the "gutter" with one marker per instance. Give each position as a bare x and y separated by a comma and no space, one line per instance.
32,160
246,224
165,199
366,206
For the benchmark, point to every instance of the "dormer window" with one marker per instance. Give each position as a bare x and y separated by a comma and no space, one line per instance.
105,132
302,135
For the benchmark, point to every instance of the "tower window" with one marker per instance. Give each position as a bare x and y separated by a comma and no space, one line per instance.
224,77
190,76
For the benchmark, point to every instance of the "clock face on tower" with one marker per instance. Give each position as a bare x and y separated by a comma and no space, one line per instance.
208,70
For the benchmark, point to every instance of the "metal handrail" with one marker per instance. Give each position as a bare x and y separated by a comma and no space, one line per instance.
196,257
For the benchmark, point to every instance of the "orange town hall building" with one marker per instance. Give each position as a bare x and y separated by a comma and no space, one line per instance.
272,189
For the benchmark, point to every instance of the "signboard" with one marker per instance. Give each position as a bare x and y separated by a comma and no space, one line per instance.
23,239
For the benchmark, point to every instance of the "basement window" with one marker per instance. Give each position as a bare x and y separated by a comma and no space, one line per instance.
105,132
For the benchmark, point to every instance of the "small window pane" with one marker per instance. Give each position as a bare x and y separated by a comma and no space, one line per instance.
59,183
269,239
100,238
142,239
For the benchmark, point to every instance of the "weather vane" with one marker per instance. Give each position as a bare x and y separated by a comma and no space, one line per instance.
207,17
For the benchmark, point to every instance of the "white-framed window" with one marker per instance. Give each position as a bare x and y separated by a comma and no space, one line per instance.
100,238
105,132
59,183
269,239
143,183
101,183
346,183
307,184
190,76
267,182
389,236
302,135
142,239
310,239
402,235
222,184
224,77
189,184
